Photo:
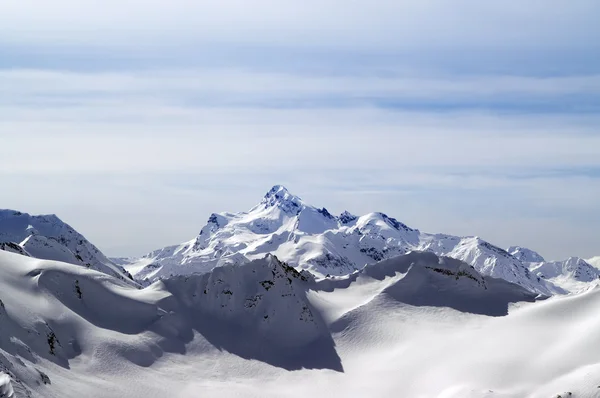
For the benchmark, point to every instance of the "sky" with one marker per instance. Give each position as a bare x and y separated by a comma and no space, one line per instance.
134,120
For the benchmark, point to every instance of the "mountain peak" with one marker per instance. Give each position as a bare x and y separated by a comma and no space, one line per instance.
347,217
279,196
278,190
525,254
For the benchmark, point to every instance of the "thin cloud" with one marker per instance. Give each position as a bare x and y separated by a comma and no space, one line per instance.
381,23
264,85
450,116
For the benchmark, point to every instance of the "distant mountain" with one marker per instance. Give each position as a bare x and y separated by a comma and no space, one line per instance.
48,237
311,238
525,255
573,274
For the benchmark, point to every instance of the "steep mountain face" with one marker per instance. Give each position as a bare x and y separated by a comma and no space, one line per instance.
49,238
265,297
52,312
307,237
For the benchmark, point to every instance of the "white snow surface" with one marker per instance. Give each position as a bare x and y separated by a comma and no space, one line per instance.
417,325
6,389
526,255
48,237
14,248
307,237
595,261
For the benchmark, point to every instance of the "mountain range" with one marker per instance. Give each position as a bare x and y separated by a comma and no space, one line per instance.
304,236
311,238
261,301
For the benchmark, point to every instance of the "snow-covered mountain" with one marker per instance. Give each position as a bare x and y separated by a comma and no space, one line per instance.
423,278
572,274
525,255
307,237
52,312
421,322
49,238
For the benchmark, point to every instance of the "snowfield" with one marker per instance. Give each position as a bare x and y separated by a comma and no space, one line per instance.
413,326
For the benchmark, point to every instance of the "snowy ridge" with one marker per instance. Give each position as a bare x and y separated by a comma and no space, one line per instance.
39,246
14,248
47,237
52,312
525,255
307,237
261,298
574,267
424,279
573,274
420,321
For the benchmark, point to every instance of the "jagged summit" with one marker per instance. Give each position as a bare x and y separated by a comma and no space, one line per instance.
309,237
347,217
278,189
280,196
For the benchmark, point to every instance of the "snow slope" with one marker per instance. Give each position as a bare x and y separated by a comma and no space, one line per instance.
412,326
13,248
48,237
595,261
311,238
39,246
526,255
54,313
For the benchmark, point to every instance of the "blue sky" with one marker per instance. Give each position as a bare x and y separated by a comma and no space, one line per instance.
134,121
